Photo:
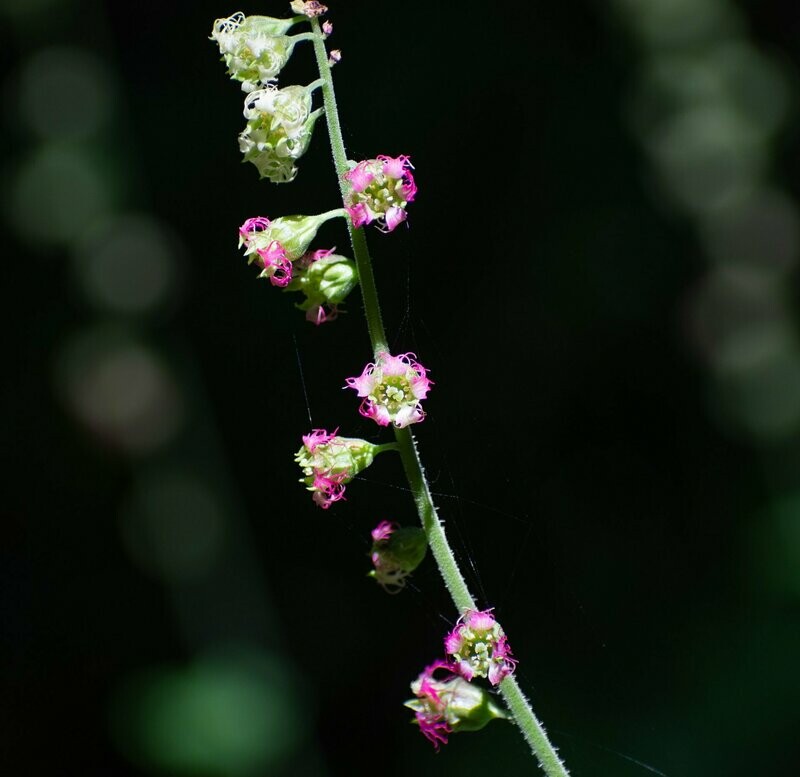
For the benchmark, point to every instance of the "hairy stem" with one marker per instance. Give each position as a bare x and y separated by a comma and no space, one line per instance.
434,527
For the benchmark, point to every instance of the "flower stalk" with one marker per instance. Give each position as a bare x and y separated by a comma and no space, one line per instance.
433,526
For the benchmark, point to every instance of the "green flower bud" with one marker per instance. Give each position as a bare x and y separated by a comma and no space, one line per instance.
325,279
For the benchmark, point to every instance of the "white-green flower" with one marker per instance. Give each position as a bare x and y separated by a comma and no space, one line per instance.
254,48
279,128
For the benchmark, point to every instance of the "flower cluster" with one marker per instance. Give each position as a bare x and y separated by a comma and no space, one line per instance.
476,647
392,388
396,552
279,128
380,189
280,122
479,648
330,462
254,48
448,703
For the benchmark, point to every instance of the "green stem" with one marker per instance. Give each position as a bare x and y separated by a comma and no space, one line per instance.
366,279
434,528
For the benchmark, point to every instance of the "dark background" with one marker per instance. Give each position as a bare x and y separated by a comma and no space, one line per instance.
604,295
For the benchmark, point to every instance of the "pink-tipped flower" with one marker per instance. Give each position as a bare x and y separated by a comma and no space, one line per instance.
396,552
479,647
446,703
329,462
383,531
277,266
392,388
292,233
380,190
327,27
251,227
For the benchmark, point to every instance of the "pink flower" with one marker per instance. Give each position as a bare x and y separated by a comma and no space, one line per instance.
479,647
327,27
251,227
431,708
360,214
328,488
276,264
383,531
329,462
360,176
317,437
380,190
392,389
446,703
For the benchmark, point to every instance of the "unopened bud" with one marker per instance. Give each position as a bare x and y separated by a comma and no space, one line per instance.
325,279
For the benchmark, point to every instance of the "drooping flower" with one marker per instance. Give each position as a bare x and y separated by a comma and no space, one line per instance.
392,388
325,278
479,647
329,462
447,703
380,190
254,48
277,244
279,128
396,552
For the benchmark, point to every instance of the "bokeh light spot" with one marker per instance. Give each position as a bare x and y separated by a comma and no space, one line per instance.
232,715
174,526
120,390
56,195
127,264
759,233
64,93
